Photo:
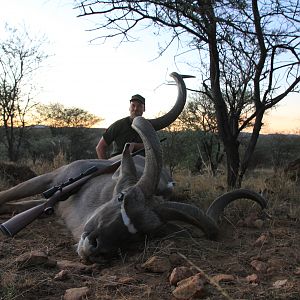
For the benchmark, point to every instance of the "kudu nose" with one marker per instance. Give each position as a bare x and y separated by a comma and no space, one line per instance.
94,244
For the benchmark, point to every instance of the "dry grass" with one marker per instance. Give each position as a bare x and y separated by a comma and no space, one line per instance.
41,167
199,189
281,193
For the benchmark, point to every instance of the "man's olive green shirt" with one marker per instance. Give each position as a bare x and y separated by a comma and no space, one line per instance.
120,133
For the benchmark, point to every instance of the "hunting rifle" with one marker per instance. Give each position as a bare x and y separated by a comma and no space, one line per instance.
56,194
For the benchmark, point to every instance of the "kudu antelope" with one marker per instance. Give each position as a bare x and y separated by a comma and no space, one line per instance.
111,210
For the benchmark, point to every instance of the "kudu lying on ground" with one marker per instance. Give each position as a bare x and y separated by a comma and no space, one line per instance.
109,211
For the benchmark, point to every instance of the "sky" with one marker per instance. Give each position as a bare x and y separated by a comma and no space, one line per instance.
101,77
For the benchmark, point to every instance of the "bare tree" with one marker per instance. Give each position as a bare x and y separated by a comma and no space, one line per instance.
20,57
248,46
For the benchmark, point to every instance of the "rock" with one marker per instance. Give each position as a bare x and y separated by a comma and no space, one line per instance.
179,274
157,264
264,238
280,283
190,287
62,275
258,265
259,223
127,280
77,293
223,278
74,266
253,278
34,258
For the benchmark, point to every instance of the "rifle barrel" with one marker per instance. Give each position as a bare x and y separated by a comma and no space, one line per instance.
21,220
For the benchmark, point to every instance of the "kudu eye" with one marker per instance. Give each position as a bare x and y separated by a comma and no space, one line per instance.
121,197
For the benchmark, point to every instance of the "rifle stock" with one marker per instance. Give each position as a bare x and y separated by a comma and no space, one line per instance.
12,226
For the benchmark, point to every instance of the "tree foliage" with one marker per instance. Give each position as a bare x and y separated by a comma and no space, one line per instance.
249,54
199,115
57,115
70,129
20,57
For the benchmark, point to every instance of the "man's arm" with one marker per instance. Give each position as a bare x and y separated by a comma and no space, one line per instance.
136,146
101,149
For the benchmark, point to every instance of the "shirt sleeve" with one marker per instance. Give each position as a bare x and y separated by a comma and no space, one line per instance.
108,135
111,132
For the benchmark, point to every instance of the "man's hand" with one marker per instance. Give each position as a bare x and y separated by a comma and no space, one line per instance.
131,147
135,146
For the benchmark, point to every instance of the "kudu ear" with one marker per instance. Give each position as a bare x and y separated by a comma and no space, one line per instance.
144,219
127,171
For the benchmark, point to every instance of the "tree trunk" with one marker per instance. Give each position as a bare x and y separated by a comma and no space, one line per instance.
251,145
230,143
233,163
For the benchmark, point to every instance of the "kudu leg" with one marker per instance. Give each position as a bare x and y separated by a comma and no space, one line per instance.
17,207
28,188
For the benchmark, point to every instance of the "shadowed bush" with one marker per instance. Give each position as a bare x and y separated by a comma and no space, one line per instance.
14,174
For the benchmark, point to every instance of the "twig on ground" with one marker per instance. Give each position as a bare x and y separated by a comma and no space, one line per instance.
208,278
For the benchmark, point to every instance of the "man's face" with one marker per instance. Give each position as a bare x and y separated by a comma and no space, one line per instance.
136,109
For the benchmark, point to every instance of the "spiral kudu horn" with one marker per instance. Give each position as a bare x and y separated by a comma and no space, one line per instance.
217,207
153,156
167,119
207,222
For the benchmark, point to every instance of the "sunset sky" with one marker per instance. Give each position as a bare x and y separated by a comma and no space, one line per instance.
101,78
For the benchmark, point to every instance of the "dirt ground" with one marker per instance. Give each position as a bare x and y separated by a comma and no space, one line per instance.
266,249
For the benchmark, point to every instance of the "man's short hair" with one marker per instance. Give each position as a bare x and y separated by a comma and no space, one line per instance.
139,98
